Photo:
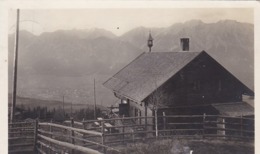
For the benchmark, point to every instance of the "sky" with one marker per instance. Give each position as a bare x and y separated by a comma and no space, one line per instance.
120,20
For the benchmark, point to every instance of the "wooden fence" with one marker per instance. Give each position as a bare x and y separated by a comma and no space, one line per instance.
98,136
201,126
21,137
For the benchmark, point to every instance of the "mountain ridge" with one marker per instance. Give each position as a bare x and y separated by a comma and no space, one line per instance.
54,62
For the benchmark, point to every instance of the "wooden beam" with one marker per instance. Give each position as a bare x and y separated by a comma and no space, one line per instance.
70,128
69,145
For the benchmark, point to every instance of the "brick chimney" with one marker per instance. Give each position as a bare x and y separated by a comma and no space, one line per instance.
185,44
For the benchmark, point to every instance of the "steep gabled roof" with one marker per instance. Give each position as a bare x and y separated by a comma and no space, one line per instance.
147,72
150,70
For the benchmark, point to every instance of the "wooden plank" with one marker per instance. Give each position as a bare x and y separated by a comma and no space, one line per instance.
95,143
19,123
229,136
182,116
130,133
50,130
40,151
24,150
35,135
45,132
227,123
103,137
126,140
75,122
72,135
204,119
170,130
89,141
70,128
70,146
236,117
21,132
228,129
66,136
164,120
23,128
123,134
48,147
193,123
134,125
181,136
79,134
113,119
20,145
20,137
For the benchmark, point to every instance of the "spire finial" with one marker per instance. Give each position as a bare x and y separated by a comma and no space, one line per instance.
150,41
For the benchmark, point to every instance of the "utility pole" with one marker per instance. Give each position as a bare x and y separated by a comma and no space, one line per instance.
95,99
16,43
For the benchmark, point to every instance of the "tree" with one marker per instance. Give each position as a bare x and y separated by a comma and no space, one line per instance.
59,115
158,97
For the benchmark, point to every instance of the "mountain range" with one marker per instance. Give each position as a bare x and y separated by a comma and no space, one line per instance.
65,62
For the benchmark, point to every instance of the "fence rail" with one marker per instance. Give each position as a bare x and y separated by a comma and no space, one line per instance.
97,136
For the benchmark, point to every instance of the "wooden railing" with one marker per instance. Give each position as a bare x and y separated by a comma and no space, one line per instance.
21,137
203,126
98,136
51,137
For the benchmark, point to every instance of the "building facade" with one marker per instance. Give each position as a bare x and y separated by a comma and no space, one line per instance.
185,82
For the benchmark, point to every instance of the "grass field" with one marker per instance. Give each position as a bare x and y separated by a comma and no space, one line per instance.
185,146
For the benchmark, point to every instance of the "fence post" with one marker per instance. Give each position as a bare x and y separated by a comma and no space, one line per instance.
103,135
123,131
221,127
35,135
164,122
156,124
84,127
72,134
50,129
241,126
133,136
145,104
204,118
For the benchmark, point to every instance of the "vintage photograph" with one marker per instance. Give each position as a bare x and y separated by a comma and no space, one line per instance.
131,81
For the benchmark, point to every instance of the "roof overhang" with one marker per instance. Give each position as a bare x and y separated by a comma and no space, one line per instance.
234,109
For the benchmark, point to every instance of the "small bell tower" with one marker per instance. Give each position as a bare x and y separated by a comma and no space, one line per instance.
150,42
